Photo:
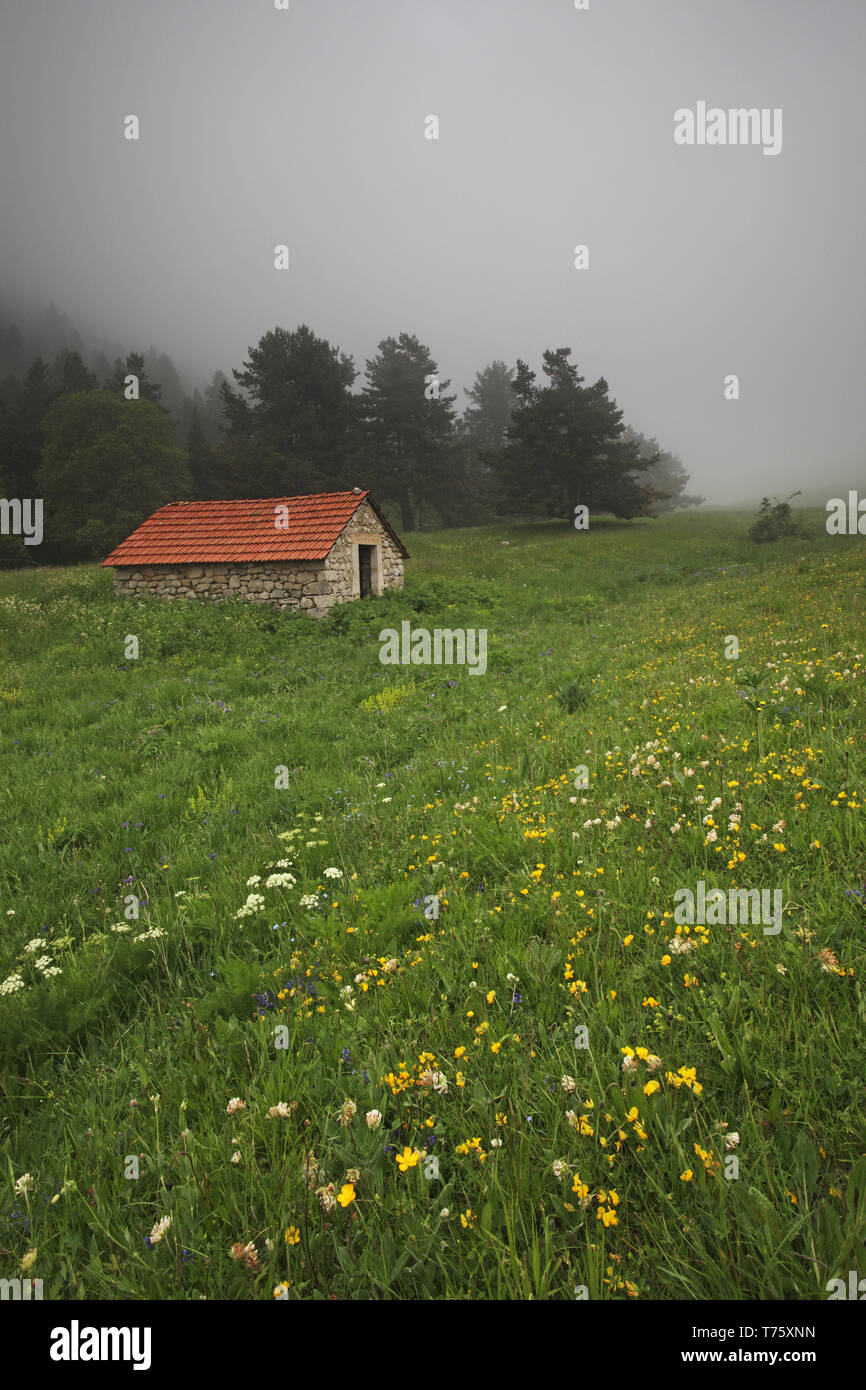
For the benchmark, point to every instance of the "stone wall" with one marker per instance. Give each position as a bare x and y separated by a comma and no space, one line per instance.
286,584
312,586
341,566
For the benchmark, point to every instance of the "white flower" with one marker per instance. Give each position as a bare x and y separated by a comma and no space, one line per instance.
569,1084
390,965
120,926
251,882
280,881
333,873
10,912
235,1104
254,903
236,1156
34,945
513,979
160,1229
24,1183
678,946
630,1064
559,1167
12,984
373,1118
348,1111
149,935
501,708
444,1214
309,900
496,1143
732,1140
279,1111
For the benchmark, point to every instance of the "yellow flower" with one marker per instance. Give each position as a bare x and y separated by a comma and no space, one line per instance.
467,1219
346,1194
491,995
650,1088
494,1047
460,1052
407,1159
687,1175
292,1236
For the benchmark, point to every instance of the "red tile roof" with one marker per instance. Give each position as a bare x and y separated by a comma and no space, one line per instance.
226,532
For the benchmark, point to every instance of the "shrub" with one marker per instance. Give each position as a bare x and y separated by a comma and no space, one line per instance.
775,522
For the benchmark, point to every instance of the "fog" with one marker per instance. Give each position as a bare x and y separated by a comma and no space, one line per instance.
308,128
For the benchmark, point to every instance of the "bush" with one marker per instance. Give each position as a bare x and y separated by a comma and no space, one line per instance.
775,522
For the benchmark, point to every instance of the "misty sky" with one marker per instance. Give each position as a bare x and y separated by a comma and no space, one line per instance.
307,127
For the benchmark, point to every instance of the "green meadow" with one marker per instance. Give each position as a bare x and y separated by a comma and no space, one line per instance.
323,978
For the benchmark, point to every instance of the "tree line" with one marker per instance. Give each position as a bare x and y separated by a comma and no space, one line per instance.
105,444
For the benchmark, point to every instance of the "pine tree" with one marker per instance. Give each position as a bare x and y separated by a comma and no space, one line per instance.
565,447
293,427
410,427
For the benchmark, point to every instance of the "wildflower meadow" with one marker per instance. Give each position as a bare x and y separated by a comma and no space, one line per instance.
324,977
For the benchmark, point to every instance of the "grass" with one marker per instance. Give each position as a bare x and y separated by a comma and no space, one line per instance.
455,935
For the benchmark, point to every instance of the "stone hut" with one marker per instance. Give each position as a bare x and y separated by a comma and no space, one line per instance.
294,552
